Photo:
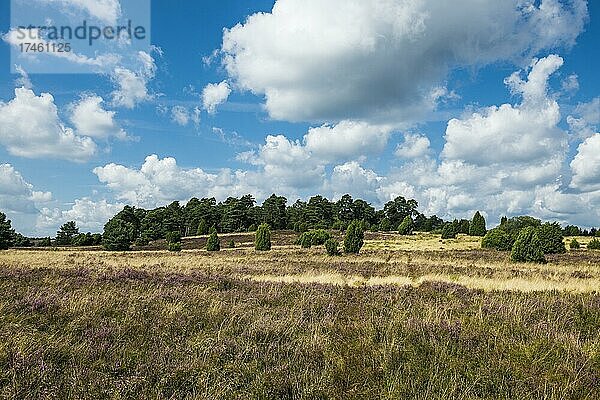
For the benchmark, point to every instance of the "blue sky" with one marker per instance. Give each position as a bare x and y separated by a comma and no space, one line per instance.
377,100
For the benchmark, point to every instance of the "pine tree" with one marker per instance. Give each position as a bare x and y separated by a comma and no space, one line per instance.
6,232
66,234
118,235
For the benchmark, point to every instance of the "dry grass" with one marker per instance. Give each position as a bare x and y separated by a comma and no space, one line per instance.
422,242
297,324
577,271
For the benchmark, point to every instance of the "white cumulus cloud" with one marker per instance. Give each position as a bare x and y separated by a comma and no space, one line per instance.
414,146
132,86
91,119
89,215
215,94
586,165
383,59
30,127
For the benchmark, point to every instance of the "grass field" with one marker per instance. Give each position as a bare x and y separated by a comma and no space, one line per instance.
408,318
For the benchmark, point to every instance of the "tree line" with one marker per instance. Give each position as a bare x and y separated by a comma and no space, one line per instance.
139,226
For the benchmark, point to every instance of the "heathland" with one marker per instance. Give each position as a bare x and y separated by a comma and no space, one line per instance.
409,317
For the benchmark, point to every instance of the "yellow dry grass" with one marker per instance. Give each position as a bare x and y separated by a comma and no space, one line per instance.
423,242
477,283
391,261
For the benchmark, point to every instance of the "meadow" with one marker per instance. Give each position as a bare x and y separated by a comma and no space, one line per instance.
410,317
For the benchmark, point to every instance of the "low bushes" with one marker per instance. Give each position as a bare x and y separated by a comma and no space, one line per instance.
497,239
173,241
594,245
531,243
551,237
332,246
407,226
528,247
313,238
449,231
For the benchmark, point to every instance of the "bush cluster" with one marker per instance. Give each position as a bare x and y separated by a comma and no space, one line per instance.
316,237
528,247
594,245
497,239
333,247
528,239
551,237
449,231
407,226
175,247
574,245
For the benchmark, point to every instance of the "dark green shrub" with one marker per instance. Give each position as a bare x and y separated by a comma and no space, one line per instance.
173,237
142,241
354,239
231,244
528,247
22,241
174,246
319,237
333,247
574,245
477,227
515,225
252,228
594,245
551,236
338,226
118,235
202,228
464,226
262,239
305,240
497,239
385,225
316,237
571,230
213,243
449,231
407,226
